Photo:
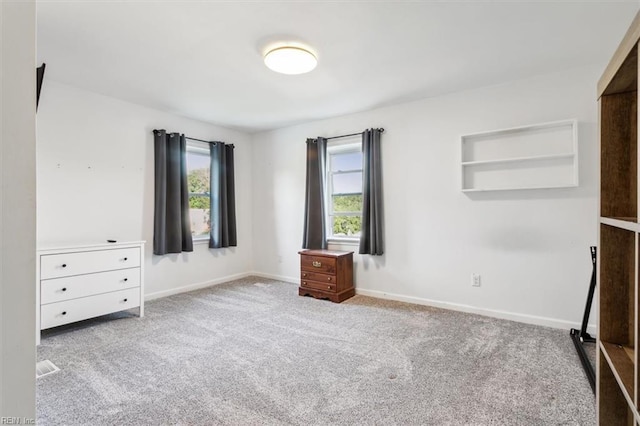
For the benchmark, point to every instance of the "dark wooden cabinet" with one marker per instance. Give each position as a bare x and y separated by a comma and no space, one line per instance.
326,274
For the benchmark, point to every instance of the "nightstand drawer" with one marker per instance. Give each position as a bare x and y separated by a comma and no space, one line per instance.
68,264
55,314
59,289
318,264
318,285
315,276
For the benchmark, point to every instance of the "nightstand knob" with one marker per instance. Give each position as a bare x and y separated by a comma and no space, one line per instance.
64,265
125,300
64,312
125,259
329,287
126,279
304,274
304,282
64,289
328,278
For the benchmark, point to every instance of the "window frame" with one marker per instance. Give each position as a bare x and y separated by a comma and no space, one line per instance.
200,149
340,147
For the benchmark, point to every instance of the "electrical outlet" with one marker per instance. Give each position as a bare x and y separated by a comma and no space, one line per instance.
475,280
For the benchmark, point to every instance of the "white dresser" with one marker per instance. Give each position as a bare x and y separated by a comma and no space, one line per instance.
76,283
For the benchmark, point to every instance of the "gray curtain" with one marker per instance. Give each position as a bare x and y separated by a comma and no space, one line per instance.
314,235
372,234
223,196
171,223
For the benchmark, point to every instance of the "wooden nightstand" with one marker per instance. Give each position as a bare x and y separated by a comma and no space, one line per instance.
326,274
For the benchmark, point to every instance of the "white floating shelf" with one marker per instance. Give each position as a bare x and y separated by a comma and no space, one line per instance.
511,189
518,159
539,156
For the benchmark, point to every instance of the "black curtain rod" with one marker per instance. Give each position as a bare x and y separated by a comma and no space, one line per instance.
213,142
352,134
199,140
194,139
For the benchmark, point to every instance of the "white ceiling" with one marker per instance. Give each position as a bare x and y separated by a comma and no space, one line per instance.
204,59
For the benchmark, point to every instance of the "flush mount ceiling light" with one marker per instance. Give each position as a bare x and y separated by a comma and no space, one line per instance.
290,60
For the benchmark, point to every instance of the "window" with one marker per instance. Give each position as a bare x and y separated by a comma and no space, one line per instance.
344,191
198,165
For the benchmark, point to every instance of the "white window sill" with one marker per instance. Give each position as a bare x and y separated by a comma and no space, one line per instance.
200,241
344,241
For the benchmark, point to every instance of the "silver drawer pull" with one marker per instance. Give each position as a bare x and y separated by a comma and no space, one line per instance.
317,264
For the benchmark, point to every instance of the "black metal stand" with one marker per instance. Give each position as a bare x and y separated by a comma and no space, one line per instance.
581,336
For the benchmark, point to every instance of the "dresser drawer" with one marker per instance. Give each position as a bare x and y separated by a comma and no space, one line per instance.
318,264
68,264
55,314
317,285
59,289
316,276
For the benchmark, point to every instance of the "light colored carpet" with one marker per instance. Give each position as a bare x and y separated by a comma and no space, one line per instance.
252,352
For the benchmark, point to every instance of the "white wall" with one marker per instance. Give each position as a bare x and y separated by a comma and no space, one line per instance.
96,182
531,247
17,209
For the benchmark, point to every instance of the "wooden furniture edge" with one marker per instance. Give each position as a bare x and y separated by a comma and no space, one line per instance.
620,363
326,253
627,44
334,297
620,223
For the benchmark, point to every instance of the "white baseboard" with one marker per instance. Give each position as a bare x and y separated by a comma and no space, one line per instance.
275,277
512,316
196,286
